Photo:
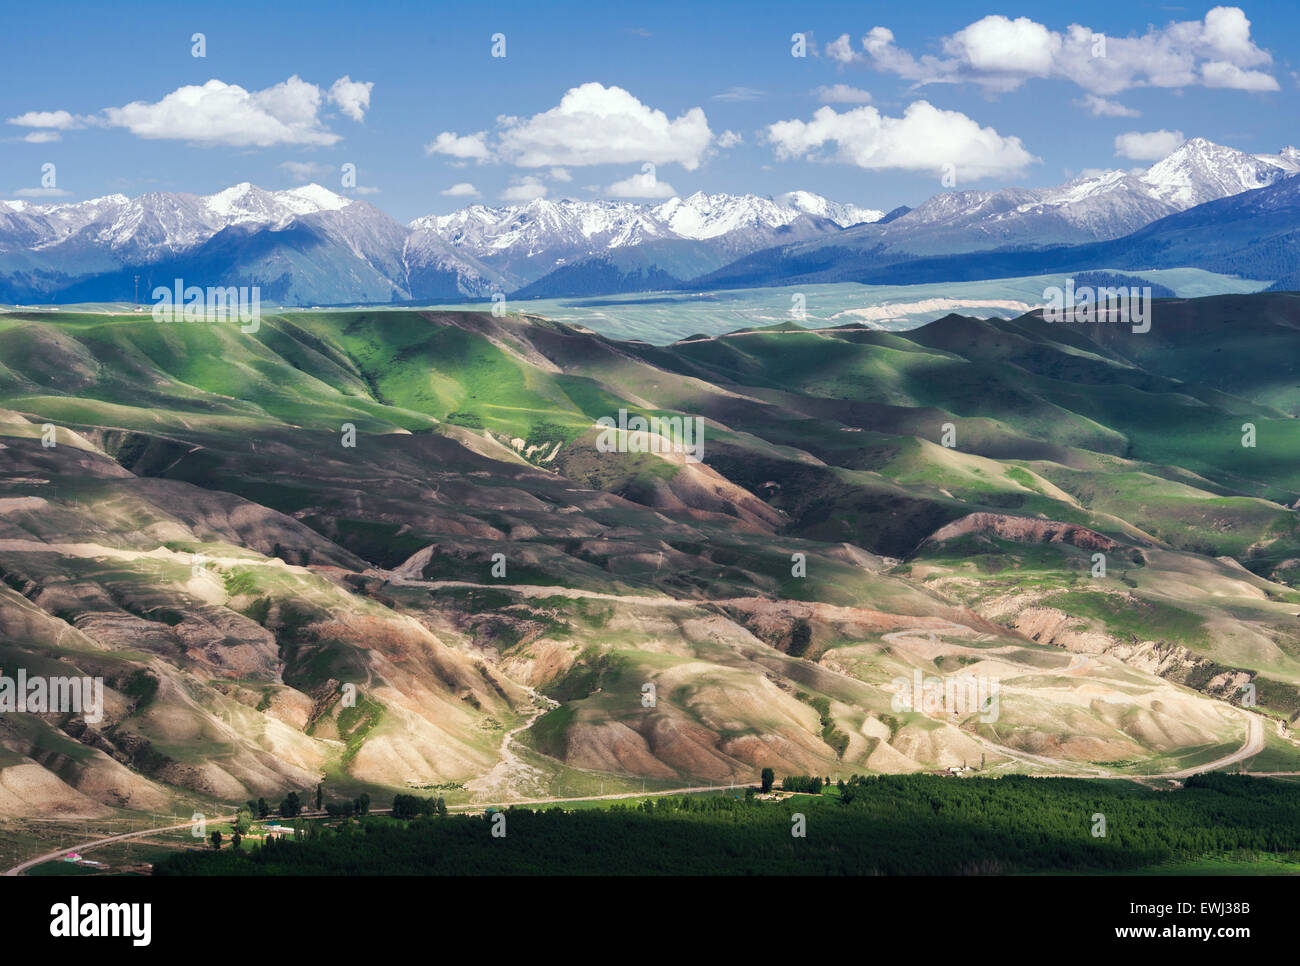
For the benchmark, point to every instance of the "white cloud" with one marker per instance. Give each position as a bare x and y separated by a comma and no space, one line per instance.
642,185
526,188
42,137
1220,73
223,114
305,170
559,174
1101,107
1001,54
594,124
730,139
1227,31
351,97
1148,146
41,193
468,147
841,49
462,190
59,120
739,94
925,138
997,44
842,94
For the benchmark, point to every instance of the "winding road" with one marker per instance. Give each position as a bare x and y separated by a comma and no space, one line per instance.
97,843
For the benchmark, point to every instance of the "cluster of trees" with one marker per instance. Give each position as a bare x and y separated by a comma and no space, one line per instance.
898,824
413,806
853,789
292,807
802,783
358,806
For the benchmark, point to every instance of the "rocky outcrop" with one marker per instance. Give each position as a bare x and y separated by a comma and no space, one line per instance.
1023,530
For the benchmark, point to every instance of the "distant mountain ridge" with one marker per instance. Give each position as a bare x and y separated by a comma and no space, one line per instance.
1093,207
524,243
309,245
1255,234
348,250
1087,223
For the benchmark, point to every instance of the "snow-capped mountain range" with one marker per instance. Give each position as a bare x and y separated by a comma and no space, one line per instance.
471,252
1096,206
542,226
309,245
159,221
521,244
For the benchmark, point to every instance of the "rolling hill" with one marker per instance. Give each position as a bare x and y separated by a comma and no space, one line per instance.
389,548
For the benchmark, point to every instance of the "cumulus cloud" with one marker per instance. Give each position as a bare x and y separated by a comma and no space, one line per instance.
643,185
592,124
1001,54
559,174
841,49
527,188
1148,146
730,139
842,94
1101,107
57,120
925,138
462,190
42,137
468,147
351,97
220,114
998,44
1220,73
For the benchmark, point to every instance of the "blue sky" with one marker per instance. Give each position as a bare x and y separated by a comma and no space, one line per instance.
709,93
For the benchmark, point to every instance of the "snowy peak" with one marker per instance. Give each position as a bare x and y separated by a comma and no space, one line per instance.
843,215
312,198
1095,206
161,222
588,226
1288,159
1199,171
244,203
542,226
701,215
